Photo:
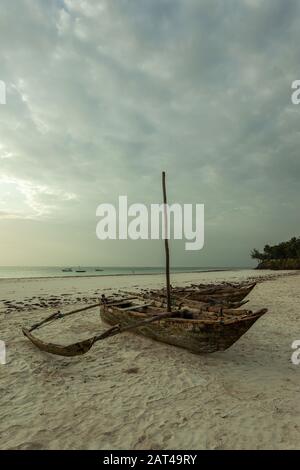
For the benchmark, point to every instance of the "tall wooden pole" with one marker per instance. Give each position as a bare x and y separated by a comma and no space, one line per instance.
166,242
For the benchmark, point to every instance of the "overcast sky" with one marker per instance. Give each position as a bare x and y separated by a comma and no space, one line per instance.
102,95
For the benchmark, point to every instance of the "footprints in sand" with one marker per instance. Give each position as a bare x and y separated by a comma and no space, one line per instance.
132,370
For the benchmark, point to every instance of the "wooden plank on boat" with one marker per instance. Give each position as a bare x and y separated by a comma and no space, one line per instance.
136,307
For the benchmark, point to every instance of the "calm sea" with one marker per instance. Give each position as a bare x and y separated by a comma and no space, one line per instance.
50,271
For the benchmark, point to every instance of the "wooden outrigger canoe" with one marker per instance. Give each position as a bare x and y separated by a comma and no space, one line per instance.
179,299
201,329
190,326
217,294
205,332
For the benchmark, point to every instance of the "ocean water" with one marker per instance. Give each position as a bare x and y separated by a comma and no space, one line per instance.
20,272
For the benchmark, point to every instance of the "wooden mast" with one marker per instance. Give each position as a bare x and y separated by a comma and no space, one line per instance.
166,242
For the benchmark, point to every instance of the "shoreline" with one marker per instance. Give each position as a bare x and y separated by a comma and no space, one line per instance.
260,273
120,274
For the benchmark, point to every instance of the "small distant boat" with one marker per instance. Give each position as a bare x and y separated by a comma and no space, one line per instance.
80,270
67,270
99,269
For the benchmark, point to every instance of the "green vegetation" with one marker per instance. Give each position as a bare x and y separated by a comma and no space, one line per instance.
285,255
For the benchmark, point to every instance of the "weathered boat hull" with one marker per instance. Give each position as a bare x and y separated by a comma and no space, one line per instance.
195,335
215,294
177,300
229,298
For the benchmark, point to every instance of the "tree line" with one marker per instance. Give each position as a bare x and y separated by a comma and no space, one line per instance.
284,250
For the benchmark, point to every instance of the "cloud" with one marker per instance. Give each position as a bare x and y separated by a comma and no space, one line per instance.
103,95
8,215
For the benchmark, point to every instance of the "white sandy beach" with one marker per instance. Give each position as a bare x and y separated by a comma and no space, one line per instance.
130,392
